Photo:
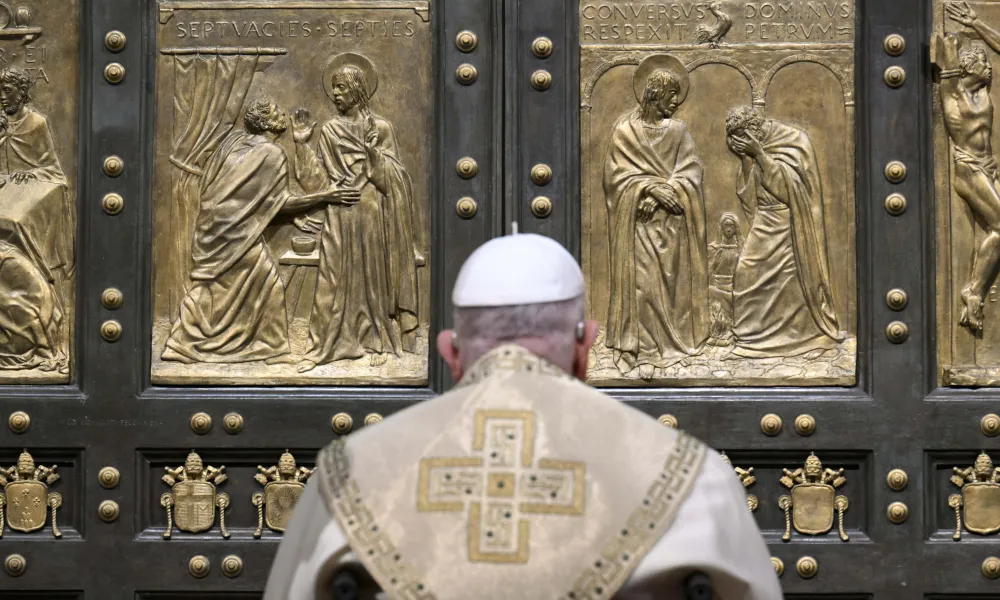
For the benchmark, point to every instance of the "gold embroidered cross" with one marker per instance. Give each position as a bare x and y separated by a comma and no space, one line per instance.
500,484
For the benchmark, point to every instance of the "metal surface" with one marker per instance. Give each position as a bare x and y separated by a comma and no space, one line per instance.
895,414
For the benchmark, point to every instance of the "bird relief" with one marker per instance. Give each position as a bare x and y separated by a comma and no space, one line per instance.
980,497
714,34
813,500
283,486
26,496
193,498
747,478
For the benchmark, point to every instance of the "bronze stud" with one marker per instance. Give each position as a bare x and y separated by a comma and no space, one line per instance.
895,172
897,513
466,208
15,565
771,424
894,76
541,174
668,420
541,80
200,423
466,41
805,425
114,73
779,566
372,419
342,423
113,166
541,207
108,511
807,567
232,423
19,421
466,74
991,568
895,204
897,332
897,480
894,44
896,299
115,41
112,204
108,477
199,567
111,331
232,566
467,167
111,299
990,425
541,47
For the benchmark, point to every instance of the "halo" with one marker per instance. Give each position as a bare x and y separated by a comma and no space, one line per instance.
657,62
354,60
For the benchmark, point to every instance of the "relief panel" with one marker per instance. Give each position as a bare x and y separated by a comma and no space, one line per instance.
40,494
39,138
964,47
291,192
797,497
718,209
217,494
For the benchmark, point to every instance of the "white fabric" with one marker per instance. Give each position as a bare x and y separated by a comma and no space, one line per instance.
714,532
515,270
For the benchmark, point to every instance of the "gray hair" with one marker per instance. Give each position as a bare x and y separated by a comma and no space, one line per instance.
552,326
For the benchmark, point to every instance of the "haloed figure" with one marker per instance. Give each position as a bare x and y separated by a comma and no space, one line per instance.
966,78
658,309
366,291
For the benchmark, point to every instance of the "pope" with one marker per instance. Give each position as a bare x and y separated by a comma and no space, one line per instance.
522,481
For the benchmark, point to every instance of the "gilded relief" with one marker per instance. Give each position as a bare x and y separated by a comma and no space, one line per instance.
26,498
979,501
289,209
39,83
717,183
965,45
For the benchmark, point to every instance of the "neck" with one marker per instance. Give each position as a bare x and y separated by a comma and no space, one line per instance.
536,346
653,115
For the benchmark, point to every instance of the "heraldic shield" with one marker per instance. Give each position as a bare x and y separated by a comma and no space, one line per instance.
26,499
194,506
812,508
280,498
283,486
26,505
980,497
193,498
813,501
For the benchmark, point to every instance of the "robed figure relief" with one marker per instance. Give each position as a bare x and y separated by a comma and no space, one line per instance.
36,254
366,291
658,310
782,297
234,310
966,79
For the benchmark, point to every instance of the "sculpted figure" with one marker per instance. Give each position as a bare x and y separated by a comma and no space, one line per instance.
723,255
658,311
26,149
235,309
782,299
966,78
366,292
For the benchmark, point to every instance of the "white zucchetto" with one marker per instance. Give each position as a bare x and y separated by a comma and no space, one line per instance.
518,269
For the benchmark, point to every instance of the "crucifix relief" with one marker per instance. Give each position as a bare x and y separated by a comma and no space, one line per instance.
500,484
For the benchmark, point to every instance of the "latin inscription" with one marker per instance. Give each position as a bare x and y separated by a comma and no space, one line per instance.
678,22
294,28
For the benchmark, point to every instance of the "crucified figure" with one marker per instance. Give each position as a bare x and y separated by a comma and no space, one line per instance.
966,79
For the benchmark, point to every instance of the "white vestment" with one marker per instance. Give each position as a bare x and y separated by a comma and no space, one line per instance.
524,483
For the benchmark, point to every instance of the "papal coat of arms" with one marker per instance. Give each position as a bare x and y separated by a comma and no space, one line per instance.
192,499
283,485
980,497
813,502
26,496
747,478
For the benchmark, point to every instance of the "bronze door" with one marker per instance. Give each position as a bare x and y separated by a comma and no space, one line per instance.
796,266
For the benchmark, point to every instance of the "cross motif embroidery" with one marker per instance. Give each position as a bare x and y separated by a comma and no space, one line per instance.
501,484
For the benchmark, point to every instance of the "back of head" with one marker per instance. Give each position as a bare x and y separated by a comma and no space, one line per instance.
524,289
